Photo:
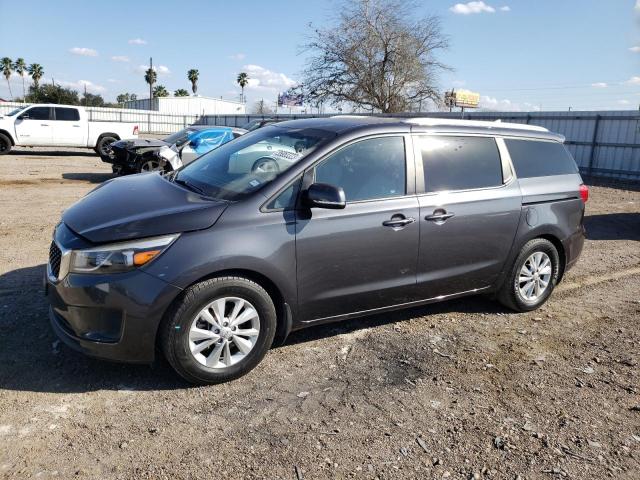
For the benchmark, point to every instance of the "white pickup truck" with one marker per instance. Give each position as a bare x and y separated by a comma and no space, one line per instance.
45,125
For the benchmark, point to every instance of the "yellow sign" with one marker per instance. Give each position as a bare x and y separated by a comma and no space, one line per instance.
467,99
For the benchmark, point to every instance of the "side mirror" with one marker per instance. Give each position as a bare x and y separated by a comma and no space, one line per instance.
323,195
24,116
194,143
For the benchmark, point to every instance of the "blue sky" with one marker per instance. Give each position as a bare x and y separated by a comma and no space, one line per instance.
519,54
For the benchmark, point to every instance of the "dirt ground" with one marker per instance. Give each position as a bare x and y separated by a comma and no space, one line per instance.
462,389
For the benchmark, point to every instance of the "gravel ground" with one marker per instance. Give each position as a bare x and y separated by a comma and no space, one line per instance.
462,389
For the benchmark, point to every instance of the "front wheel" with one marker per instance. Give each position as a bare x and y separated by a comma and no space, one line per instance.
219,330
533,276
103,147
5,144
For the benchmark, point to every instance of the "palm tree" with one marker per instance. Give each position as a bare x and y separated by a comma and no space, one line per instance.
243,80
21,68
37,72
181,92
193,75
160,91
150,76
7,68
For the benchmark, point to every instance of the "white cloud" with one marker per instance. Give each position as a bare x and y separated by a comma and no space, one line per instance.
459,83
120,58
599,85
505,105
112,80
85,52
506,8
137,41
237,56
633,80
161,70
264,79
80,84
635,49
637,5
624,102
472,7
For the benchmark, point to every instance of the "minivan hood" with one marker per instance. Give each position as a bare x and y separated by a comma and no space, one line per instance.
139,206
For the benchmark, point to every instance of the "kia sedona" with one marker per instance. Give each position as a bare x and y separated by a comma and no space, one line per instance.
307,222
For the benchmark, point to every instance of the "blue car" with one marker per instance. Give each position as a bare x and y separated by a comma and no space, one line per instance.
170,153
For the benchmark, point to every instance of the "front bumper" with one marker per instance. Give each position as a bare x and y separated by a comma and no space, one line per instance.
114,317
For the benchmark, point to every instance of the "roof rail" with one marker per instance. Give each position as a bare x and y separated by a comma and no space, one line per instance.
436,122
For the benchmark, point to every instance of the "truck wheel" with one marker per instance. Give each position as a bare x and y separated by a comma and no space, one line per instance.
103,146
533,276
219,330
5,144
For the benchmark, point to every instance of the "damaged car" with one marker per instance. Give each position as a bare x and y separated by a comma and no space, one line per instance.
170,153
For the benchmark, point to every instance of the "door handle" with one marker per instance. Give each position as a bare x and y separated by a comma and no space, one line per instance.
44,124
398,221
439,216
77,126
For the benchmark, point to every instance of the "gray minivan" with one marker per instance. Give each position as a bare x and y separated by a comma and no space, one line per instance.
213,263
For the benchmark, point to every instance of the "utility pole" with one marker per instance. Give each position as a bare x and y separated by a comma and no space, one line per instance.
85,94
150,84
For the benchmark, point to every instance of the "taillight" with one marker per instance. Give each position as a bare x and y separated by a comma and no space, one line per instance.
135,130
584,193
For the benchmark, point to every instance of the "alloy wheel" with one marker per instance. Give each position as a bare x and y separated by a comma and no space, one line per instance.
535,276
224,332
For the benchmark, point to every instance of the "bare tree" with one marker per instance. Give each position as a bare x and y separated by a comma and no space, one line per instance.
377,54
261,108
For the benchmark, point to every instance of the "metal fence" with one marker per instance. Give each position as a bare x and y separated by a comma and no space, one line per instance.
148,121
605,144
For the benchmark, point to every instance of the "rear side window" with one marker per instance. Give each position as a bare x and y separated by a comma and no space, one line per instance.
67,114
38,113
533,158
460,163
370,169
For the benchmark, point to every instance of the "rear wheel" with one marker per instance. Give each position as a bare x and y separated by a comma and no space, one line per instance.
103,147
533,276
219,330
5,144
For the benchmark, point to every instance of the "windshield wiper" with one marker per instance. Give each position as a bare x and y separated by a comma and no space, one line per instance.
189,185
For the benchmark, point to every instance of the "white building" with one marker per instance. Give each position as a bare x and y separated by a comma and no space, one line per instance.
189,105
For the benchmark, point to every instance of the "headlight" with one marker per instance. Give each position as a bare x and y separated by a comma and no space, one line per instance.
119,257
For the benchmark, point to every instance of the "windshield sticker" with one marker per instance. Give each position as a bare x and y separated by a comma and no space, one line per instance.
254,183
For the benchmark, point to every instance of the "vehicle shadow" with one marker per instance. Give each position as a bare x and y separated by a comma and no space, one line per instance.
613,226
473,304
33,359
89,177
54,153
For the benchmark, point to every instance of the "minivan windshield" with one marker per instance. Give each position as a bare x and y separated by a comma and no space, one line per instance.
248,163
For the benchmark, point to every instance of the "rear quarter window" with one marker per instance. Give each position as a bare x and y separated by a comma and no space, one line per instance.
533,158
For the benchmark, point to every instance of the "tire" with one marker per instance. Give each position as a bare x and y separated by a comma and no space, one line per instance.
266,165
103,143
5,144
144,165
513,293
186,313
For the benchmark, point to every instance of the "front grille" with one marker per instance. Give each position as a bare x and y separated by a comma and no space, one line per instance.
55,255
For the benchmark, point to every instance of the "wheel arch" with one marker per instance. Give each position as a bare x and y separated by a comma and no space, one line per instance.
8,134
283,310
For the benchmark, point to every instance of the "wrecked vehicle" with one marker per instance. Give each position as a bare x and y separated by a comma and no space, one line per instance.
170,153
